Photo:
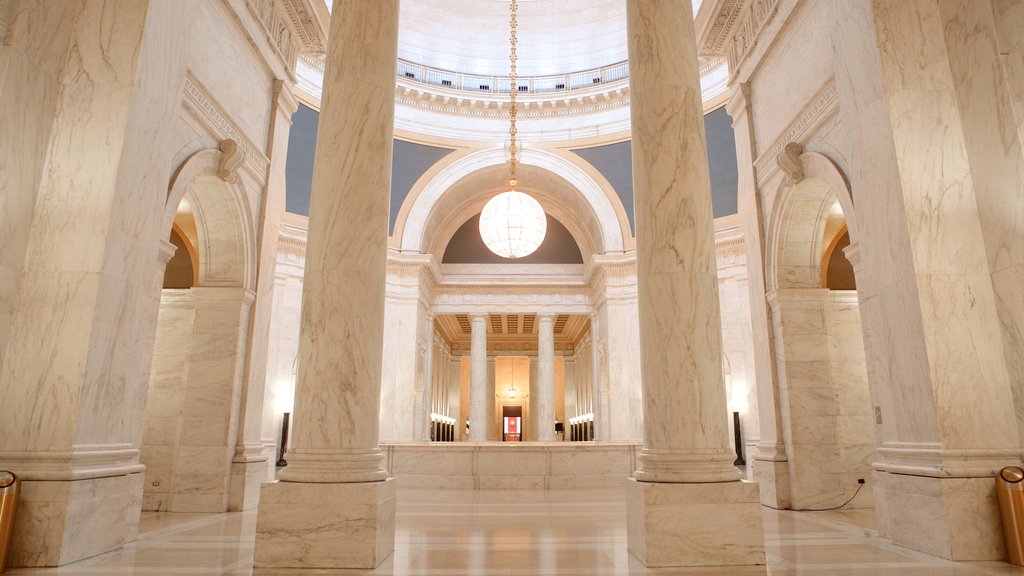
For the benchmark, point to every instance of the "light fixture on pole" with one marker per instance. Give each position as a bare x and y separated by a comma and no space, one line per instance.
513,224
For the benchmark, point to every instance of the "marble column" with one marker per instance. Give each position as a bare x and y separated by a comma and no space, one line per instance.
531,421
769,462
334,506
478,417
685,472
545,377
89,93
426,406
929,295
595,376
248,467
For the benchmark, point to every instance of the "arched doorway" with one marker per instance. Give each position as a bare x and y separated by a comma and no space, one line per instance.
191,418
819,347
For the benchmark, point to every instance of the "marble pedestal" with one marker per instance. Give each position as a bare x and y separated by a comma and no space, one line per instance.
59,522
709,524
321,525
954,518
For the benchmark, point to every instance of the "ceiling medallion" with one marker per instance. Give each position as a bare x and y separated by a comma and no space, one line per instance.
513,224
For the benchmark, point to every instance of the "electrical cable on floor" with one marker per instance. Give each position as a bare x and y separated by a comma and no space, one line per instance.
857,491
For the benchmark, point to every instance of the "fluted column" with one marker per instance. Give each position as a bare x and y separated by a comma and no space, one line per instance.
330,508
546,377
685,428
478,379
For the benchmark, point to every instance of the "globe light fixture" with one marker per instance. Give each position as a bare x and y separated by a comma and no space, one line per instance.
513,224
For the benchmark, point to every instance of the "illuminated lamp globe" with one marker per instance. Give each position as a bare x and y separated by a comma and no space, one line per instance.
513,225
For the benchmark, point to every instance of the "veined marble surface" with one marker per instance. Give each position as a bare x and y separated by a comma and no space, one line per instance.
577,533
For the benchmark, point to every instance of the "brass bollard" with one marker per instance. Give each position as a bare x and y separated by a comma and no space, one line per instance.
1010,490
9,488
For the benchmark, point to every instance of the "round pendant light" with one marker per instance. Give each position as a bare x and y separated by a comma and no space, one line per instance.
512,224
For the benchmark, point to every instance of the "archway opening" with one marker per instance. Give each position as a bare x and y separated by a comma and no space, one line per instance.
191,415
827,422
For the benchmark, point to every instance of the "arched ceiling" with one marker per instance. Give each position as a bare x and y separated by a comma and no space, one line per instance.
469,195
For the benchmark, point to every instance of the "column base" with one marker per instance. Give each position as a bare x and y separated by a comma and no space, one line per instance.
953,518
310,525
773,478
246,477
710,524
59,522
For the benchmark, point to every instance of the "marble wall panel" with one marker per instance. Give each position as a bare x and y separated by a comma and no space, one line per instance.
793,71
192,415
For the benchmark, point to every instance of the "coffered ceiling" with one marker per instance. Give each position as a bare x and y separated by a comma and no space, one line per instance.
512,332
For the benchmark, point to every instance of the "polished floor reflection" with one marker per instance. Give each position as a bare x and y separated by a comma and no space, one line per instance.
524,533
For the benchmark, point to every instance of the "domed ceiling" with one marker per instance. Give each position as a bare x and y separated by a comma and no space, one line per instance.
472,36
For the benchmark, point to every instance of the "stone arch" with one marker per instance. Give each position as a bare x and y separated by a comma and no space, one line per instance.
223,221
198,353
437,207
825,414
798,222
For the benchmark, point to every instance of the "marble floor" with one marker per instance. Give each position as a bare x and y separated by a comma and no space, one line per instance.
523,533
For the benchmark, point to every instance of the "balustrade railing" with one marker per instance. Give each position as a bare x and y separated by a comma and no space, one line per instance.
547,84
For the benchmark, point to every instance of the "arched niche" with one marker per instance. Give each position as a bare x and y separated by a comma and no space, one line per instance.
436,207
225,241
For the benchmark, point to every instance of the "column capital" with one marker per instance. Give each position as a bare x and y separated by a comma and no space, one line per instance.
167,250
852,253
283,99
739,100
481,316
546,317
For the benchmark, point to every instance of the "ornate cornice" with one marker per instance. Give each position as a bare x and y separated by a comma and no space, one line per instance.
309,21
277,30
723,20
467,104
754,18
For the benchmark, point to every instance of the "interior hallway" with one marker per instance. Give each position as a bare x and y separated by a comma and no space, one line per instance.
525,533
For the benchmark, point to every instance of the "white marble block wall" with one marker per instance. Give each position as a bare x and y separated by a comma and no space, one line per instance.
825,402
195,388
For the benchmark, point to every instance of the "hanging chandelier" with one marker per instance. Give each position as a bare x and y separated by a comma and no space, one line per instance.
512,224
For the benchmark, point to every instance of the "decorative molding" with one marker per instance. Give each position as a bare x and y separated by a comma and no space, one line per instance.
788,160
822,105
744,38
614,96
167,250
203,106
231,158
714,39
283,99
277,30
308,25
